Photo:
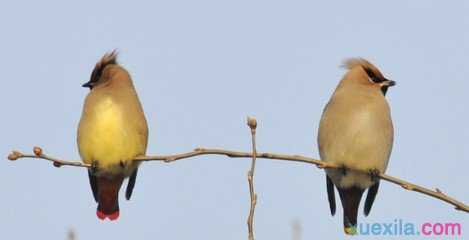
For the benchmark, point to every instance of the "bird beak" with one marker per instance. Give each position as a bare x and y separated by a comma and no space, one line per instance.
87,85
387,83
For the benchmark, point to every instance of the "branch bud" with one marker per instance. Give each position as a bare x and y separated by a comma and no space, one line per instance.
37,151
14,155
252,123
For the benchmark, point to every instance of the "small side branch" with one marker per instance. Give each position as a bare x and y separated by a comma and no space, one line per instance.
252,123
38,153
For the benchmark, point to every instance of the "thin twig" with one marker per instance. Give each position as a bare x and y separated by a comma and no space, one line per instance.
38,153
71,235
235,154
436,194
252,123
296,230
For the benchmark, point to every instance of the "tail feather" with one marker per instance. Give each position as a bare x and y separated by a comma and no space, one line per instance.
350,198
108,197
111,217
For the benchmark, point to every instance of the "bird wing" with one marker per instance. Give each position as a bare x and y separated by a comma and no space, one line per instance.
370,198
330,194
93,184
131,185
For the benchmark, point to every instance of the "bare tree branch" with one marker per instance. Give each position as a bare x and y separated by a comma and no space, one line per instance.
252,123
438,194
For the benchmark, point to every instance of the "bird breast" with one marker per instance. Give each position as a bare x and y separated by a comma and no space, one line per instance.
105,136
356,132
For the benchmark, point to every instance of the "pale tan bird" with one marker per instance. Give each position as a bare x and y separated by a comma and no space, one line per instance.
356,131
112,131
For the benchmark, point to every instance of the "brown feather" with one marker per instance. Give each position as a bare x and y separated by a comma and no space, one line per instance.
108,194
352,63
350,198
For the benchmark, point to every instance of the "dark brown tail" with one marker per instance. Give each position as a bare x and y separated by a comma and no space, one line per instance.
350,198
108,197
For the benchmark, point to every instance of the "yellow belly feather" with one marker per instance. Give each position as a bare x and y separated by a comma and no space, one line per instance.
105,137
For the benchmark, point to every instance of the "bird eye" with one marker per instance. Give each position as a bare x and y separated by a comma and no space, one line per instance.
372,76
377,80
369,72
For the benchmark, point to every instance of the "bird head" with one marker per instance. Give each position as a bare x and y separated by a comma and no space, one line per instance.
100,69
366,74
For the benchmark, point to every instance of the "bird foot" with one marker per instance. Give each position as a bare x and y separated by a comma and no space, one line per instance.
94,167
374,174
122,164
343,169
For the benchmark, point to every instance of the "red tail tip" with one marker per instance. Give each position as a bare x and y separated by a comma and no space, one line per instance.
100,215
113,216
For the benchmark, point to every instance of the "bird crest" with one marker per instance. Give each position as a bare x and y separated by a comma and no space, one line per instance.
107,59
369,68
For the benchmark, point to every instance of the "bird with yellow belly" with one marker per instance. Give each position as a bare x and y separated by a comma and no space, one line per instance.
111,133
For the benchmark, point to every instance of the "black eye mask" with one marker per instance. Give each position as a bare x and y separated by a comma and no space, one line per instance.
98,70
372,76
376,79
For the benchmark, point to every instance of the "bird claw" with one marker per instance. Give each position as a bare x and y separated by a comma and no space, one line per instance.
374,174
122,164
343,169
94,167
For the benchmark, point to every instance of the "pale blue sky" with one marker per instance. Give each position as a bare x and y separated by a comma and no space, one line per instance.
200,68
